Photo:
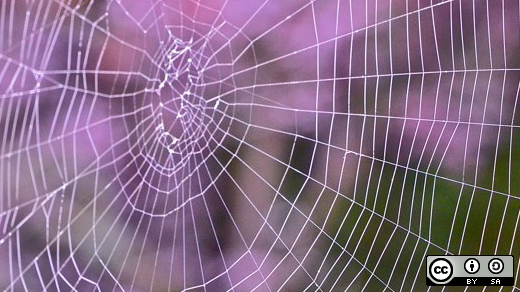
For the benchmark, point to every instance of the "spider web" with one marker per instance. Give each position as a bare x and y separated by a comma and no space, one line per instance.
255,145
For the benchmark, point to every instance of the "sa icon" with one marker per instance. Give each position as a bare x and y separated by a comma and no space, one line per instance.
441,270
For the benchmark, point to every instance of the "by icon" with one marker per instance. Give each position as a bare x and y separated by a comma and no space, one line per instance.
471,266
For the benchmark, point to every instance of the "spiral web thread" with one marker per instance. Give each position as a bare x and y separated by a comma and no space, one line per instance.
255,145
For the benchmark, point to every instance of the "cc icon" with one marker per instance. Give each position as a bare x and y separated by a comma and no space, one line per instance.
441,270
